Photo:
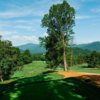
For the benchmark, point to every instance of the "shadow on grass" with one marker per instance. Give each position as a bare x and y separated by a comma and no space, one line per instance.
84,66
43,87
91,79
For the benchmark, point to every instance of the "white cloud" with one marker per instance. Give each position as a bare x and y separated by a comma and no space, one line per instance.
22,11
7,33
20,25
10,14
83,17
19,39
26,27
31,10
22,39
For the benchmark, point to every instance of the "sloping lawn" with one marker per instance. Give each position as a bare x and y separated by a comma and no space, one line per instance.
61,89
35,82
84,68
33,69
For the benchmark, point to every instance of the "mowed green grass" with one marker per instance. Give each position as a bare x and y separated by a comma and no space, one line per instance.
84,68
38,67
36,82
33,69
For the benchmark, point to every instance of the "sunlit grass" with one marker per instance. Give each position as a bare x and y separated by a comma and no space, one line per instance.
84,68
38,67
35,68
36,82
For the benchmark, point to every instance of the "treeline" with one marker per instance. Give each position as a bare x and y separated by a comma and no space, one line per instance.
38,57
93,60
11,59
76,56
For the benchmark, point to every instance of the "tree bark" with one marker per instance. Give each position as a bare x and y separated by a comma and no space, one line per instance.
65,62
64,55
1,79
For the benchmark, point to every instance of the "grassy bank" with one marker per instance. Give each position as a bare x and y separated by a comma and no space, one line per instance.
36,82
38,67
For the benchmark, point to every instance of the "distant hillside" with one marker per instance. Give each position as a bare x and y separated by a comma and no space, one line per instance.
79,51
33,48
36,48
90,46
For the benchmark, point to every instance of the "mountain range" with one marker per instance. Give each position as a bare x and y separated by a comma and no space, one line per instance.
93,46
36,48
33,48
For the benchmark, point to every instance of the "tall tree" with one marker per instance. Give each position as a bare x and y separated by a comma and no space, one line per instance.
59,23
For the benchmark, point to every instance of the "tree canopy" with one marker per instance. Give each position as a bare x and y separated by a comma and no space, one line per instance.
11,59
59,23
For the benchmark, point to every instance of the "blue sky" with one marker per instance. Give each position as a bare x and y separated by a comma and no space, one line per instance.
20,20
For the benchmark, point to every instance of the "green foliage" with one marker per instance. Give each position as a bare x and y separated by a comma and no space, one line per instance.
59,22
8,59
26,57
11,58
93,59
38,57
77,55
38,53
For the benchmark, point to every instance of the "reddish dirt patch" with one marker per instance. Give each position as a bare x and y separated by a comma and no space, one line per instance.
87,77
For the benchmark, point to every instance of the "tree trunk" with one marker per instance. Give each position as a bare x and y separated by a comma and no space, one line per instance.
64,55
1,79
71,60
65,62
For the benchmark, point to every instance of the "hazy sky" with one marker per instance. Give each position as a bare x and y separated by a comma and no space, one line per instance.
20,20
